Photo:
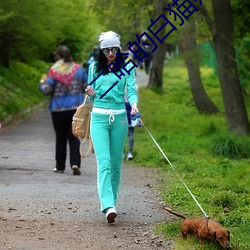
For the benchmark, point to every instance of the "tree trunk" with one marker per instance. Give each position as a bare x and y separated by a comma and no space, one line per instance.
156,71
235,109
201,99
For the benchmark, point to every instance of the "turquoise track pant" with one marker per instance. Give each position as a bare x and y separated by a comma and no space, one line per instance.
108,138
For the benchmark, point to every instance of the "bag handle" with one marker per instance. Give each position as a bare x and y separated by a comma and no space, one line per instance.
91,148
85,99
85,139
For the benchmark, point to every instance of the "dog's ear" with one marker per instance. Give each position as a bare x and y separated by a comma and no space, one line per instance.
214,235
228,237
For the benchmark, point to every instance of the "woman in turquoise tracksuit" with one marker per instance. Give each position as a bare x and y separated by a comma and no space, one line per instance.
109,123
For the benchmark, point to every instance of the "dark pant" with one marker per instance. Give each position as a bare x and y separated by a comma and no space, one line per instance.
147,65
130,129
62,122
130,139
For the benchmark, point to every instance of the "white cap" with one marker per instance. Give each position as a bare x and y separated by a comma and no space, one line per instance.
109,39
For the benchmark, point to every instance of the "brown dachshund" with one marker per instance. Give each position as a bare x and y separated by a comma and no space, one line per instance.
204,229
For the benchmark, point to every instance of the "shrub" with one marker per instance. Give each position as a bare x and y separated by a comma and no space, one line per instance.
223,200
231,146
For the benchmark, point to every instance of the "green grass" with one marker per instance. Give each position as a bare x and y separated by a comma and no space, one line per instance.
19,88
214,164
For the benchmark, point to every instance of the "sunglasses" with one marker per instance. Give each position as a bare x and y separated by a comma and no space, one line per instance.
107,51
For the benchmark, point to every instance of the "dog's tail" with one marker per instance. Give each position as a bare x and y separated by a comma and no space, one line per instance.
175,213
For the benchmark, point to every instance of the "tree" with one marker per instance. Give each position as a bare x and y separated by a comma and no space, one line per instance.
223,38
201,99
28,33
128,19
156,71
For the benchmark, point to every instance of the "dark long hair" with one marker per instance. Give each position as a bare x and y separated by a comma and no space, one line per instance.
102,62
63,52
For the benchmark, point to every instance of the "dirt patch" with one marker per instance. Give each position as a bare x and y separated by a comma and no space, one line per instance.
51,234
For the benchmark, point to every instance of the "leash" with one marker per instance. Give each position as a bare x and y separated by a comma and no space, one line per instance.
174,170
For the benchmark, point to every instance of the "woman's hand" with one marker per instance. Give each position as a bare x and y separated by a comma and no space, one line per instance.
134,109
90,91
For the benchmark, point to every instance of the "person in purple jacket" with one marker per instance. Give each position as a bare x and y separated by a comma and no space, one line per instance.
65,83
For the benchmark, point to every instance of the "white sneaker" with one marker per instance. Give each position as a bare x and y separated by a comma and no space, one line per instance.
130,156
58,171
76,170
111,214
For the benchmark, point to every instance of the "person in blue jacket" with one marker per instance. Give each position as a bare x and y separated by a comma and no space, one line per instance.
65,83
109,124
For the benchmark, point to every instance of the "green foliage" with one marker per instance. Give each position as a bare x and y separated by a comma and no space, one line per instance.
224,200
19,87
29,33
219,183
208,58
242,35
241,17
170,230
127,18
231,146
243,60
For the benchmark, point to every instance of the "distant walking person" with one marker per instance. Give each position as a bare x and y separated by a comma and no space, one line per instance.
65,84
131,129
148,59
109,123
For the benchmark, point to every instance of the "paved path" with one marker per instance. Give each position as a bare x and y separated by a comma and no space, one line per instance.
27,160
30,190
26,163
141,78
